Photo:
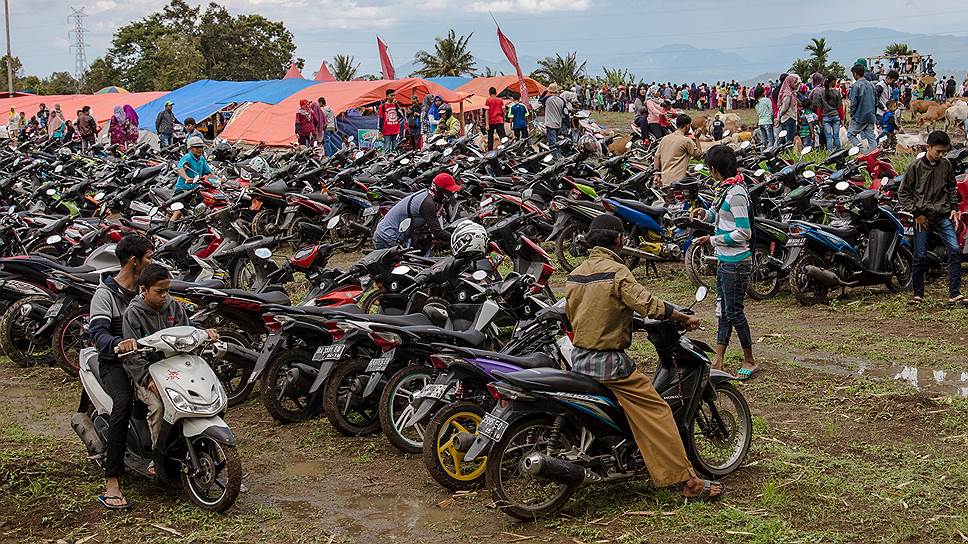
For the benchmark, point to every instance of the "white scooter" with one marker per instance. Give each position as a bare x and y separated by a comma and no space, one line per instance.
196,444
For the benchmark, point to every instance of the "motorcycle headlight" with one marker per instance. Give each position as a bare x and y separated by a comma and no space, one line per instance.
179,401
185,343
184,405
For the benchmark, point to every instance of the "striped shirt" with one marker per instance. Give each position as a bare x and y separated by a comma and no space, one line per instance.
733,233
603,365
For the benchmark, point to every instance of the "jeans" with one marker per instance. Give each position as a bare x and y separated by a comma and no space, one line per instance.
866,131
330,142
731,281
164,140
790,126
945,229
520,133
553,142
118,385
390,143
767,136
831,130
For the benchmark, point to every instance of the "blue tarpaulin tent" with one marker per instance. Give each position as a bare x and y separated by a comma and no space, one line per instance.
205,97
450,82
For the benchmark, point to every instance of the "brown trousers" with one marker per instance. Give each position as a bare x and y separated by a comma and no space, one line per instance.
654,429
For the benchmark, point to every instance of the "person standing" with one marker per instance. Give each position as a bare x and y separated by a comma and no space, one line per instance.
675,149
331,142
13,124
764,115
131,118
305,127
495,117
389,119
118,129
554,116
165,125
319,122
882,93
734,232
519,118
87,128
929,193
862,116
830,104
788,108
43,115
950,87
56,124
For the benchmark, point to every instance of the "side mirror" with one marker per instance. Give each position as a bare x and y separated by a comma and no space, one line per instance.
782,134
196,178
469,127
177,206
263,253
698,167
628,145
333,221
100,196
55,239
522,170
405,160
59,168
759,172
920,155
153,211
405,225
400,270
479,275
726,133
806,150
358,155
853,151
527,194
441,142
50,192
449,151
505,140
809,174
744,145
547,159
701,293
842,186
882,139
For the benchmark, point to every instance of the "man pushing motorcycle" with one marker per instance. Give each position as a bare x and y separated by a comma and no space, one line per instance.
601,296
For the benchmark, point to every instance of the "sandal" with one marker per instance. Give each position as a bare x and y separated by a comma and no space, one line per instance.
151,470
915,300
958,299
746,374
705,495
104,500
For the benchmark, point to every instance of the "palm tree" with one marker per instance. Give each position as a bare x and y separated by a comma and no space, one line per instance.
450,57
897,49
819,53
616,76
343,67
564,71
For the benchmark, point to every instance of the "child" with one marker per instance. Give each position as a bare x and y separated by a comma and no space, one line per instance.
151,311
889,124
718,127
519,118
808,119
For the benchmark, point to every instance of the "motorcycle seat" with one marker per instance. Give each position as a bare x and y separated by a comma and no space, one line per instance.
553,313
342,309
269,297
182,286
163,193
653,211
846,233
553,379
392,192
532,360
72,270
320,197
275,188
686,183
470,337
775,224
369,180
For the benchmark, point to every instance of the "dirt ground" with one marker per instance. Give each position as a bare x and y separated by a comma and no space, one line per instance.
860,435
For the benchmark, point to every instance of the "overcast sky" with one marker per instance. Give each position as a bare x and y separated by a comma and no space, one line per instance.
539,28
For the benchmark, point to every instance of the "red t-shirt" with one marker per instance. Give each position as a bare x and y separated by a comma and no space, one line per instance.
390,117
495,111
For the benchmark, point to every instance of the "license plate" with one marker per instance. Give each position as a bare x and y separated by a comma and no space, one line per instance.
332,352
796,242
291,209
432,391
372,210
492,427
908,231
256,205
53,310
379,364
786,217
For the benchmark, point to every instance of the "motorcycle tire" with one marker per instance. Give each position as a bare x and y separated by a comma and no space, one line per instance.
281,409
16,335
243,274
577,251
740,424
902,278
807,291
299,238
69,337
395,407
228,371
264,223
764,283
349,420
221,469
700,273
443,462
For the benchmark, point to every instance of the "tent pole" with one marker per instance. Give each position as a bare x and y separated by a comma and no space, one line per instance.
461,117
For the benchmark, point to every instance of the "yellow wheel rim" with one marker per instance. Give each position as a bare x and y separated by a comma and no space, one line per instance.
451,460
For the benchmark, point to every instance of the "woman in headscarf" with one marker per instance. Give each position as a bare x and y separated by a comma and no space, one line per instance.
118,128
305,128
428,103
433,114
788,108
132,127
56,124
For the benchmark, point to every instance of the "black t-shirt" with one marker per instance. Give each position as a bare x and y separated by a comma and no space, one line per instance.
718,127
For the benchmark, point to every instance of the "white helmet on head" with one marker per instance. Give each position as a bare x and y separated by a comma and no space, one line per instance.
195,141
468,238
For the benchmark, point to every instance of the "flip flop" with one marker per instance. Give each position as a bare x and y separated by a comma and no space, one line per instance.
705,496
104,500
914,301
746,374
960,299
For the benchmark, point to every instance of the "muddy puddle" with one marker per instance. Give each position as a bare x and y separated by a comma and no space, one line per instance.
927,380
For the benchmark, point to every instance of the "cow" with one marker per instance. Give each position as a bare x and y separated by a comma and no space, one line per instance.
933,115
920,106
956,115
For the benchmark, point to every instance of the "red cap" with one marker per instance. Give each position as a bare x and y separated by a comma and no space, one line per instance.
446,181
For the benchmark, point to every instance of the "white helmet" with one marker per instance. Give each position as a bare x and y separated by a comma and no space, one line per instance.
195,141
468,238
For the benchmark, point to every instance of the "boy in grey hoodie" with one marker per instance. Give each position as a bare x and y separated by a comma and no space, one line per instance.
151,311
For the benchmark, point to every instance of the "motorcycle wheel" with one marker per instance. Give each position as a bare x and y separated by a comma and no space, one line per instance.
807,291
444,463
216,486
17,336
234,375
717,448
701,273
299,238
370,301
396,407
569,250
901,280
283,407
264,223
69,337
243,274
764,281
345,413
516,492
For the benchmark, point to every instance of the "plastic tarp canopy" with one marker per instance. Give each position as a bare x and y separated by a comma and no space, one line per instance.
450,82
275,124
480,85
207,96
102,105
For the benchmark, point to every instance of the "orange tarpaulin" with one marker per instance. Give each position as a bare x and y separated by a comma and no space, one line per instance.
479,87
323,74
293,72
102,105
273,124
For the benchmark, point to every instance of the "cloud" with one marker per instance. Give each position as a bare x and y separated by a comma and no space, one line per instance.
531,6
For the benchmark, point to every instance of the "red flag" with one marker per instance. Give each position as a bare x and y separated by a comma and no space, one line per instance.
323,74
512,56
388,71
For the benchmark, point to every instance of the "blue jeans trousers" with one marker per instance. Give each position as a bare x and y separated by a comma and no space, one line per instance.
945,229
731,282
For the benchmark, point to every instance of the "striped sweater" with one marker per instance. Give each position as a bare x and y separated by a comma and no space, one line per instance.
733,233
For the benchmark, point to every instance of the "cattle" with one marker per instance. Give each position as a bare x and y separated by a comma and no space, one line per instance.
933,115
956,115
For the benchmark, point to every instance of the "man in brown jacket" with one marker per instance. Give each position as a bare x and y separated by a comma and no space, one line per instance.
87,128
601,296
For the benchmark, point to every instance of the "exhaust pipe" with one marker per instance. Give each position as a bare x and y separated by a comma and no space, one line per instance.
299,380
464,441
825,276
636,252
85,430
559,470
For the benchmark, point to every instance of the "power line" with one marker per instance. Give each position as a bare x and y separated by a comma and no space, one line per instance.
80,53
